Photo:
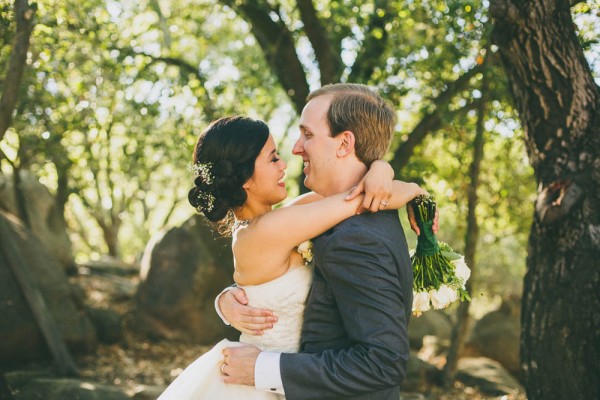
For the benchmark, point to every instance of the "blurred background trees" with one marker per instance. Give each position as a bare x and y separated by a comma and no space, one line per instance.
114,95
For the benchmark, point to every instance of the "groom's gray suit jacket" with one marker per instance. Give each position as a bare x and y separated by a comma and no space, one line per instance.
354,337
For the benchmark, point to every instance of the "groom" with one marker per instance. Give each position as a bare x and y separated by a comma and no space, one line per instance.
354,337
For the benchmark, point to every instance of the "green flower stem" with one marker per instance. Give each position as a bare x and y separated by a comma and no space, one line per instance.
431,261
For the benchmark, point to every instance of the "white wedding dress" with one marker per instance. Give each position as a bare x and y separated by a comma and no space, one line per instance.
286,296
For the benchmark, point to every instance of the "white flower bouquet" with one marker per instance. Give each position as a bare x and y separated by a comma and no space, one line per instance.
439,272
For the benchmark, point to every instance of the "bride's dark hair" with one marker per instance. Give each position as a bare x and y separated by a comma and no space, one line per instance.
223,160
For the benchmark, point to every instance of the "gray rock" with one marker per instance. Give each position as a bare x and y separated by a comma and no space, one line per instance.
72,389
420,374
411,396
497,336
47,222
17,379
182,271
110,265
149,393
20,337
433,323
487,375
107,323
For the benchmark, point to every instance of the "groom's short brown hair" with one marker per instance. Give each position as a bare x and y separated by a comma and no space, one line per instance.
359,109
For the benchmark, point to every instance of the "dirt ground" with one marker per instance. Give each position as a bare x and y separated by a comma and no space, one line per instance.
140,363
156,364
136,362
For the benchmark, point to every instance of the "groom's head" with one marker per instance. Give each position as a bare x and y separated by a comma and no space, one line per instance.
343,129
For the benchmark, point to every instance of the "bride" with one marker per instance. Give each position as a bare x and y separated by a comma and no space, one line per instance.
240,177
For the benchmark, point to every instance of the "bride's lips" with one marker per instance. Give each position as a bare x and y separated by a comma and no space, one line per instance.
281,182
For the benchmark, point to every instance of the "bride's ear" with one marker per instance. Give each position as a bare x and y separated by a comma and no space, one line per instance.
346,143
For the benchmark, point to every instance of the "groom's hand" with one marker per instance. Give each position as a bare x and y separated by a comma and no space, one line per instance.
239,364
246,319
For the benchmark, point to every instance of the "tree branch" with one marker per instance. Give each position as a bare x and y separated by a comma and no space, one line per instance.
328,56
375,43
163,24
24,13
190,69
504,10
433,120
278,46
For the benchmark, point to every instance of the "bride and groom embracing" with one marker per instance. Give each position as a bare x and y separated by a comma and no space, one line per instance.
341,329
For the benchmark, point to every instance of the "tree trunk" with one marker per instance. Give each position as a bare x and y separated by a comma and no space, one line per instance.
24,13
559,106
20,198
461,328
278,45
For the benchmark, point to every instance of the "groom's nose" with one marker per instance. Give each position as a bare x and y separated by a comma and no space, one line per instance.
298,147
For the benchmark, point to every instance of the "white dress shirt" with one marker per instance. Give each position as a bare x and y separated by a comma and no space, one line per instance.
267,373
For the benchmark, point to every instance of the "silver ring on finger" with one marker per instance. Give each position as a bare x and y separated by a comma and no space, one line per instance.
384,203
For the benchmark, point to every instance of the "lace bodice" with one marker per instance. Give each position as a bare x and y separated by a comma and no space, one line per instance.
286,297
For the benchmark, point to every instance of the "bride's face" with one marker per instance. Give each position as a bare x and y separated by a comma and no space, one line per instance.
267,185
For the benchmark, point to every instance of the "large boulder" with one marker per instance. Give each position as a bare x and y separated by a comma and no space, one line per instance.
430,323
20,336
46,221
66,388
487,375
496,335
182,271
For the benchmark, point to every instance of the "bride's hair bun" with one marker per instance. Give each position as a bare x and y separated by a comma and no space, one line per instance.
224,159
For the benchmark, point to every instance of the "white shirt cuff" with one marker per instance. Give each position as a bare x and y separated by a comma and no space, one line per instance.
217,309
267,375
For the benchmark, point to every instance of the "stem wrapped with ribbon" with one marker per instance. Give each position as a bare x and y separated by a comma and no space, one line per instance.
439,272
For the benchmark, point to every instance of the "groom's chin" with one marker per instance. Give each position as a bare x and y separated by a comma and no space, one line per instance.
308,184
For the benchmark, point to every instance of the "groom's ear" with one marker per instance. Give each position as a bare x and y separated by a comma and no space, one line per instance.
346,143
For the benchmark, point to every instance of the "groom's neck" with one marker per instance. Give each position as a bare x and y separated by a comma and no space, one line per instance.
344,179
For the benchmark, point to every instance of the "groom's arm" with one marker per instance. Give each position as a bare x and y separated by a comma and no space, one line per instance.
363,278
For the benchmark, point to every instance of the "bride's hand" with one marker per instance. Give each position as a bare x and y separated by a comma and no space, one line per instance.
412,220
377,186
246,319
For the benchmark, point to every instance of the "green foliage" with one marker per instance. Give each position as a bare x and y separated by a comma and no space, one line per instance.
506,195
116,92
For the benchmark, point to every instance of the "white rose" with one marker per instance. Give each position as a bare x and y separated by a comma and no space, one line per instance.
453,295
442,297
461,270
420,303
305,249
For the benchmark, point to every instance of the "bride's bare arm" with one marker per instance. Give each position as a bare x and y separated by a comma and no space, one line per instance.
305,198
376,184
312,214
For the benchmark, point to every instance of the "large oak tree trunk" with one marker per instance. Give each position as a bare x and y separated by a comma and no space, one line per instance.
559,106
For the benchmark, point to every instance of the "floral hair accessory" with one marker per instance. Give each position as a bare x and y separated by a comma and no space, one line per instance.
305,250
204,170
208,201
